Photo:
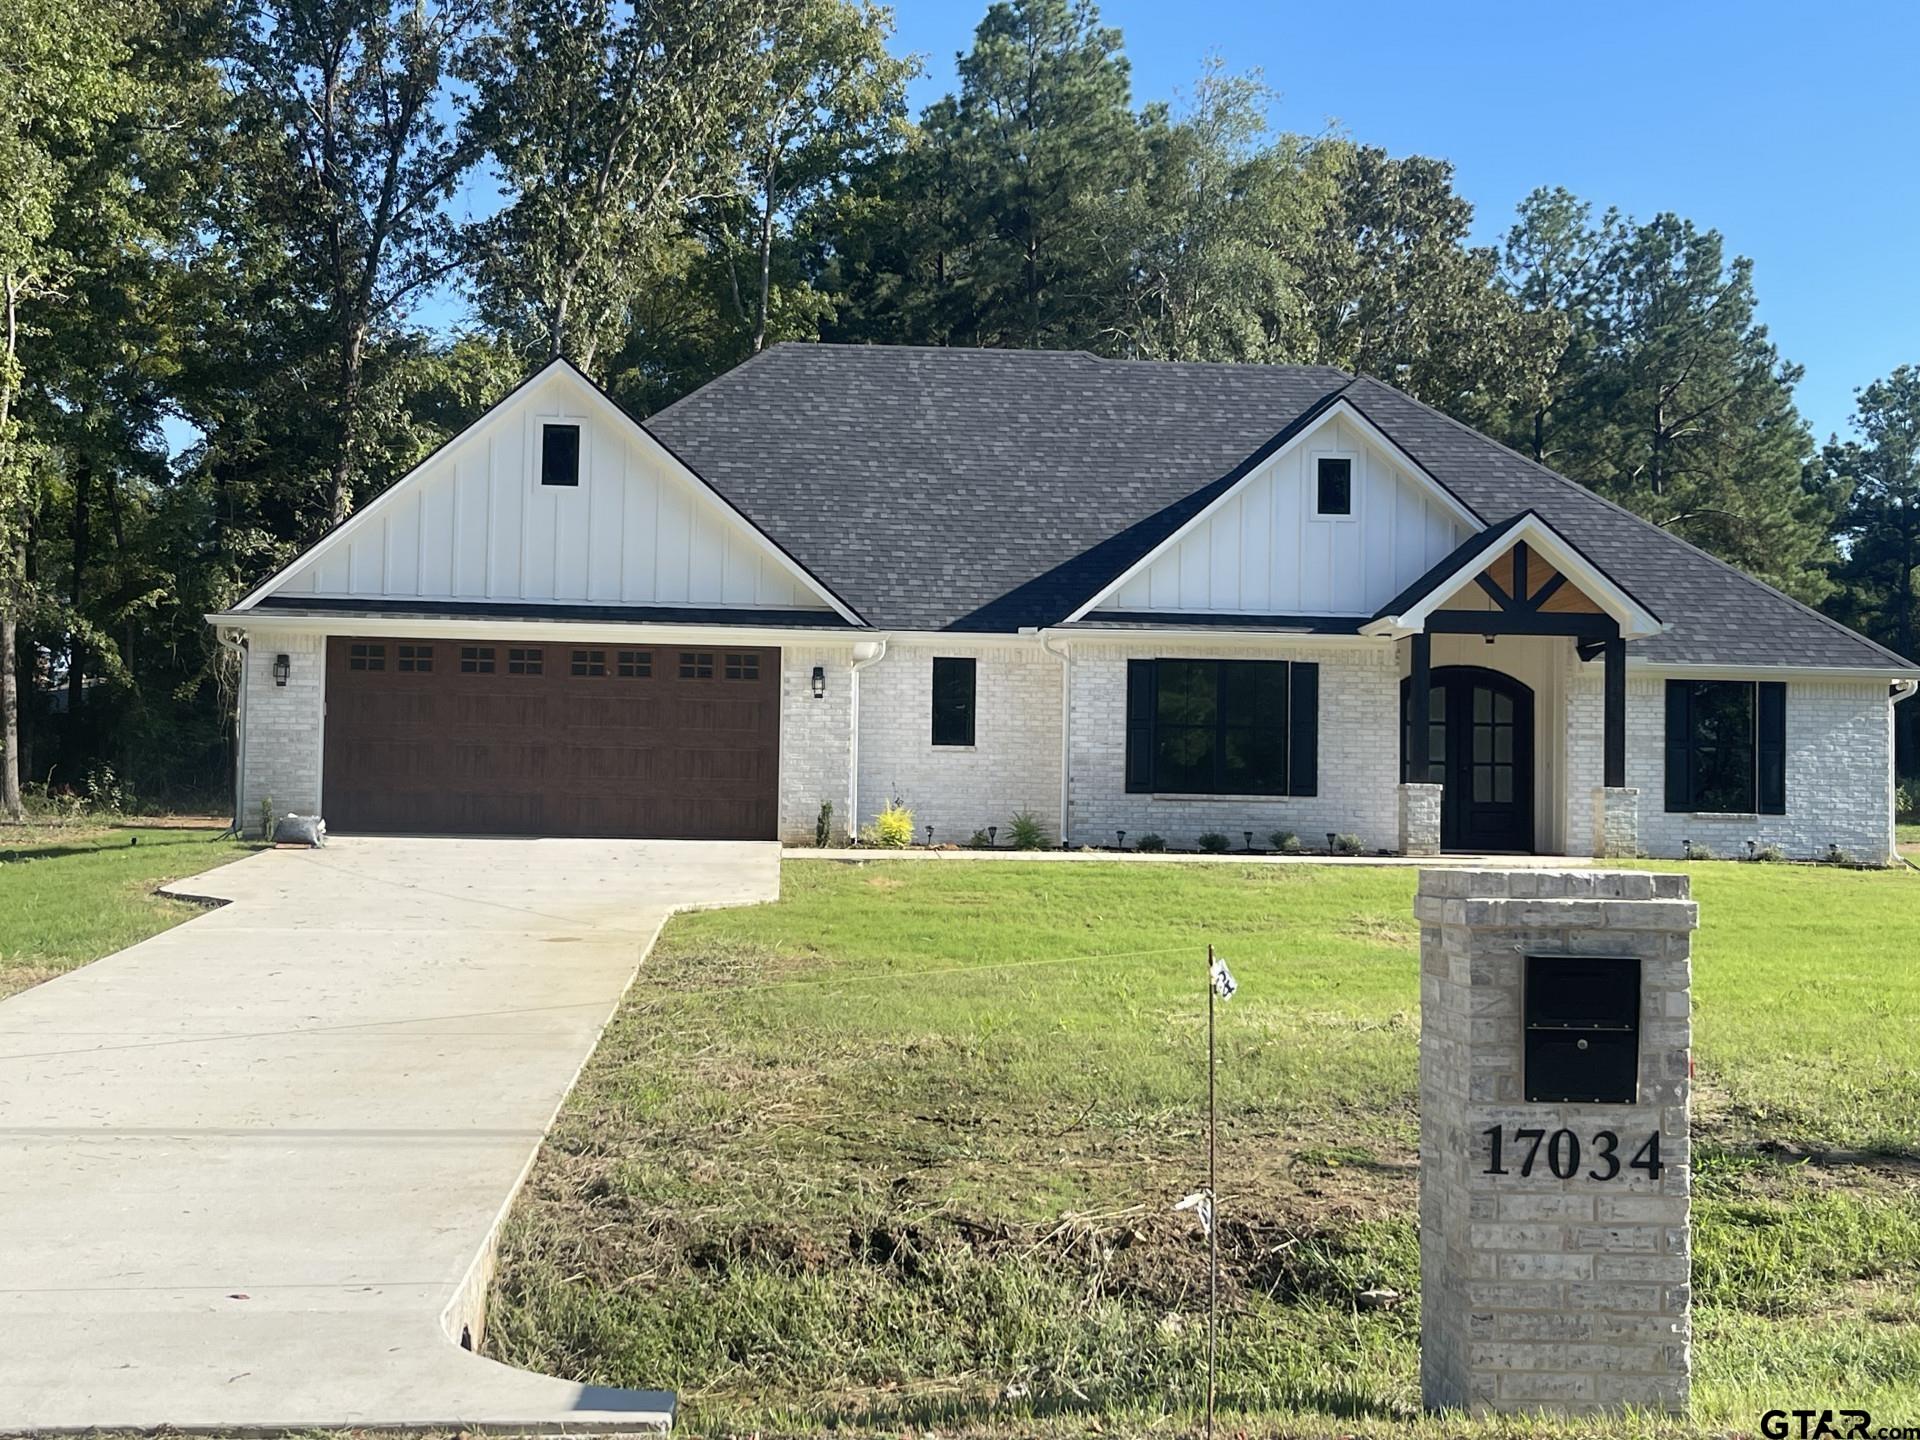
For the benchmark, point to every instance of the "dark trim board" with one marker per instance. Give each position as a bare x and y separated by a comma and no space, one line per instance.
1519,622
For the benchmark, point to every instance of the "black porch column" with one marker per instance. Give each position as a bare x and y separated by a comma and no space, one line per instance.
1419,692
1614,689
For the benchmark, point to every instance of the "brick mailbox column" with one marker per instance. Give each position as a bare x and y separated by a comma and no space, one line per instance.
1555,1174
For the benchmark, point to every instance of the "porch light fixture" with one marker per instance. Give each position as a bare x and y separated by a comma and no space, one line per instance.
282,667
819,682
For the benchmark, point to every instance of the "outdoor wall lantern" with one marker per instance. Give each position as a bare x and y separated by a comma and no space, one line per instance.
819,681
282,667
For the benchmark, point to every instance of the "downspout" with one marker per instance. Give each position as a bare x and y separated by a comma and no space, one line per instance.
1066,734
1898,691
879,653
236,641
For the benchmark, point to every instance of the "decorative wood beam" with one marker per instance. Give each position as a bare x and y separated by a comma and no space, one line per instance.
1545,592
1500,597
1520,572
1489,622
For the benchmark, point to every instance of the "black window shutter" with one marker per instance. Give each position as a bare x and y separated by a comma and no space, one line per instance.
1303,723
1679,747
1140,696
1771,752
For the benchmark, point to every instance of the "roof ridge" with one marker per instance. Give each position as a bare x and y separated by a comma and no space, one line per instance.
1590,493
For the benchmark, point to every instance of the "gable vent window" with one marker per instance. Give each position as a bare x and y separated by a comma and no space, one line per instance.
743,667
1727,747
476,659
1223,727
635,664
367,657
696,664
1333,486
559,454
523,662
589,662
415,660
953,689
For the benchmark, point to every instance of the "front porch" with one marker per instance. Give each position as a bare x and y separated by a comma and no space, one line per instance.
1493,643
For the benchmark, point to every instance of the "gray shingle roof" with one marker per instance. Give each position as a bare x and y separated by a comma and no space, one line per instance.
987,490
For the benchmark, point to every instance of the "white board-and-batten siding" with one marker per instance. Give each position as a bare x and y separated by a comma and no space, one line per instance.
475,523
1265,552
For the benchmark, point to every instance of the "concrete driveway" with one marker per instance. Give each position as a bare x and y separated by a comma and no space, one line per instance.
251,1169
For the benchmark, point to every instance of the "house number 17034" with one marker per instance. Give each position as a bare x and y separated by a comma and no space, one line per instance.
1561,1151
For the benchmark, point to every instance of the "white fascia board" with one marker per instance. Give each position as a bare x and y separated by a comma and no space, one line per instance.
1341,408
578,632
1203,634
614,415
1636,621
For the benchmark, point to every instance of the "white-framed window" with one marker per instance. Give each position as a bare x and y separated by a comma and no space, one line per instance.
1333,481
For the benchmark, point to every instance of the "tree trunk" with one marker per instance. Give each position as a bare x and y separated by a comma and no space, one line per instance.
76,651
9,721
352,360
766,260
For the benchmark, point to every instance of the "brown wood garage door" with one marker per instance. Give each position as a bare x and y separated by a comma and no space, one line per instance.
446,737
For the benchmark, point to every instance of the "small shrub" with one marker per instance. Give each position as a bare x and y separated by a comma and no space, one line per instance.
1837,856
1151,843
892,828
1770,854
104,793
266,817
979,840
1347,845
823,825
1027,832
1906,802
1214,843
1285,841
1700,852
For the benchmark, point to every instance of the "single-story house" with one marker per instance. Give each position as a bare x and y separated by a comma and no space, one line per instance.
1123,596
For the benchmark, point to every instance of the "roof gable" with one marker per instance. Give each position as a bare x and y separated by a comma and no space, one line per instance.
475,523
1557,576
1261,546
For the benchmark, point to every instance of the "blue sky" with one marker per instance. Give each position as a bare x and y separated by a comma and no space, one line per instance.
1791,129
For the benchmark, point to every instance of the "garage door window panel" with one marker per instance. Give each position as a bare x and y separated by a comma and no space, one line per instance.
525,662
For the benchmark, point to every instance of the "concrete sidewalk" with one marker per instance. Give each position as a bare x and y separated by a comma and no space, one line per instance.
251,1168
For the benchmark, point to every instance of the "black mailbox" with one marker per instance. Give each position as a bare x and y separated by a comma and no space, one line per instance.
1582,1030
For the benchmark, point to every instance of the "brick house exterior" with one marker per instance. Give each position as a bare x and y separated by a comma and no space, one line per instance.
1121,597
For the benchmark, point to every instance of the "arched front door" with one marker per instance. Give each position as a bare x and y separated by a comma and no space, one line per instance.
1480,740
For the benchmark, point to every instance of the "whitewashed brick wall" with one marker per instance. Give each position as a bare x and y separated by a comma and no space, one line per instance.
1839,771
1013,764
816,740
1359,754
283,726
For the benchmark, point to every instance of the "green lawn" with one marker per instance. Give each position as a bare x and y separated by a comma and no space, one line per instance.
901,1151
70,894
